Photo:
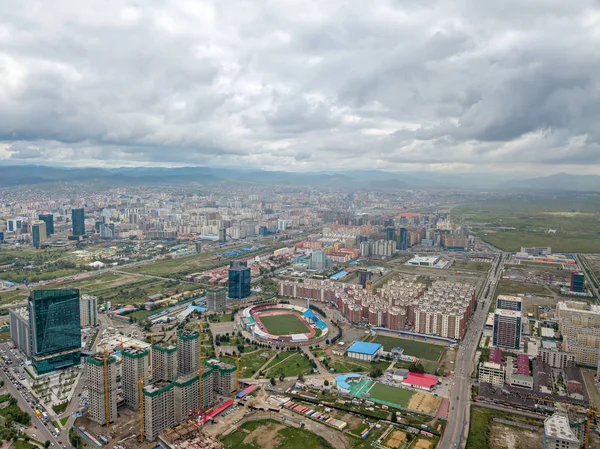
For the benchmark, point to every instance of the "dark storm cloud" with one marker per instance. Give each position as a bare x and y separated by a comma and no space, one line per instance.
302,84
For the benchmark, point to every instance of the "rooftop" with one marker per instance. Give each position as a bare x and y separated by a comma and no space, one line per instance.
363,347
557,426
421,380
508,313
510,298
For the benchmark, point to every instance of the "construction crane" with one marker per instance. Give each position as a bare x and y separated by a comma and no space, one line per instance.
141,400
201,401
106,389
589,412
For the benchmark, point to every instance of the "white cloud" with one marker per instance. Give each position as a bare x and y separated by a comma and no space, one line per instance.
404,84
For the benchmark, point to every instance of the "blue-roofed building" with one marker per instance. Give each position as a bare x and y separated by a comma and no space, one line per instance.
342,381
362,350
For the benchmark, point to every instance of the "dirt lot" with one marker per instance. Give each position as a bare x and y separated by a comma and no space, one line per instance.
422,444
530,303
266,436
507,437
424,402
396,439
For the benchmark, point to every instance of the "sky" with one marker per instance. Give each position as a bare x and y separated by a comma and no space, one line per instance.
302,85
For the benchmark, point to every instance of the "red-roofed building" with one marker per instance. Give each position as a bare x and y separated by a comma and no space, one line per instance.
523,365
496,356
418,380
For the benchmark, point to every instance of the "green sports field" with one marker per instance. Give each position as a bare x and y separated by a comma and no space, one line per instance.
391,395
284,324
420,349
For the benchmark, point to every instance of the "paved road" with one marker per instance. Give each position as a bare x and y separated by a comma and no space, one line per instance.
585,266
457,427
42,433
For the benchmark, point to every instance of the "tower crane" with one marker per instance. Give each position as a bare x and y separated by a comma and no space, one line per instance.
106,398
141,400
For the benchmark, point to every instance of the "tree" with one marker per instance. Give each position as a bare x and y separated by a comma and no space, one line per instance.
47,444
281,377
326,383
375,372
394,416
301,378
416,368
272,380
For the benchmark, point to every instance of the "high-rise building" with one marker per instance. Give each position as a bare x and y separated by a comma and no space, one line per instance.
187,352
577,283
88,309
159,408
49,220
164,361
14,224
403,239
558,433
318,260
19,329
106,231
506,302
223,376
507,329
54,324
363,277
187,396
78,221
198,247
239,280
99,387
390,233
223,235
136,364
579,324
1,236
216,298
38,233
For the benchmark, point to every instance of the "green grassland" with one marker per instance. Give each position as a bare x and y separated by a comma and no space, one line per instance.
422,350
524,220
506,287
252,362
283,324
285,438
391,394
463,265
289,365
347,365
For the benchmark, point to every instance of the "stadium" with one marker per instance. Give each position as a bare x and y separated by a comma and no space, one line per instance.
283,324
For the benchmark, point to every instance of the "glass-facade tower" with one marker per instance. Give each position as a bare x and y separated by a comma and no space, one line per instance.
78,219
49,220
54,322
239,280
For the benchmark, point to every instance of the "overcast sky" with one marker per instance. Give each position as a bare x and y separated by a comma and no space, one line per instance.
302,85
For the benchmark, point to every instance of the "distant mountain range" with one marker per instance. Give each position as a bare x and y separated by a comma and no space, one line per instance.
16,175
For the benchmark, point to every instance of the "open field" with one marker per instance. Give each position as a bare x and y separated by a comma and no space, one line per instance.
483,434
463,265
506,287
348,365
288,364
284,324
269,434
422,350
393,395
509,223
424,402
251,363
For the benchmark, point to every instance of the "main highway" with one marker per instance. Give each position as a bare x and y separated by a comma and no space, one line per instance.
457,427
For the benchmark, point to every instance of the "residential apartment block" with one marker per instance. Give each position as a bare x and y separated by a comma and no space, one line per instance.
99,388
579,323
164,361
136,363
187,352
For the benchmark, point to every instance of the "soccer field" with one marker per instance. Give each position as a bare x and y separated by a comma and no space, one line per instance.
393,395
419,349
284,324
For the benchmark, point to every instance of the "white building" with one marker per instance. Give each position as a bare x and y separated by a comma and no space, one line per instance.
558,433
492,373
135,366
88,310
97,388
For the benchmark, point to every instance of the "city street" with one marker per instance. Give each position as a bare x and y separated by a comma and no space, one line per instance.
457,428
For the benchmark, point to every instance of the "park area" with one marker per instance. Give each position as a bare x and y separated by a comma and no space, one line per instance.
269,434
284,324
419,349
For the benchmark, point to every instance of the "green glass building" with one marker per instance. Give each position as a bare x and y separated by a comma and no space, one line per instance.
78,221
54,322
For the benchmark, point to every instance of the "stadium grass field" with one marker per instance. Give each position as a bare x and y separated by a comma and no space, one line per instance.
284,324
389,394
419,349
